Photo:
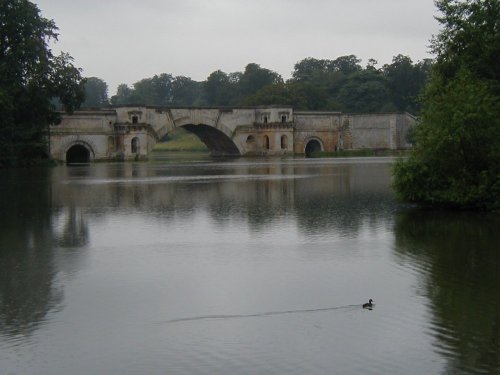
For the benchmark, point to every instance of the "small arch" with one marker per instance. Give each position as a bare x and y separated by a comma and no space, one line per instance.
313,145
135,145
284,142
266,142
135,119
265,119
283,118
250,139
77,154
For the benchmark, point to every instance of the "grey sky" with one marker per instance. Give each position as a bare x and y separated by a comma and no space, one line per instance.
124,41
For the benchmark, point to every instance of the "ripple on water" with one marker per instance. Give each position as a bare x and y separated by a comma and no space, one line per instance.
313,341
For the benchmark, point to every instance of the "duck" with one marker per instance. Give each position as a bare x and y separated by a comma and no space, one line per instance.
368,305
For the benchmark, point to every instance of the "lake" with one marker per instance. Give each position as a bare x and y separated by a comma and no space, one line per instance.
240,266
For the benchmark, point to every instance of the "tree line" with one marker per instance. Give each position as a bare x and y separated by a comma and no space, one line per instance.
341,84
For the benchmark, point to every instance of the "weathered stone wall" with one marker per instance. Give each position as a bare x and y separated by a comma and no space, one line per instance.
379,131
90,129
320,126
132,132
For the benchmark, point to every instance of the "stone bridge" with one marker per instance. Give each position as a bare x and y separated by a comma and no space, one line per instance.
131,132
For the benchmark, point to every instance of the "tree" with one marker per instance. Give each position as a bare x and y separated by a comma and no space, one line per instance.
471,38
124,95
156,90
365,91
186,92
456,161
220,89
406,81
278,94
310,70
31,77
345,64
96,92
255,78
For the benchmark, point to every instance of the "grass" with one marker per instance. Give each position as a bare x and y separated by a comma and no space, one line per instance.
181,140
359,153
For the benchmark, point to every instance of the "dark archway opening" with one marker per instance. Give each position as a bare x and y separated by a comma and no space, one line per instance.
216,141
77,154
312,146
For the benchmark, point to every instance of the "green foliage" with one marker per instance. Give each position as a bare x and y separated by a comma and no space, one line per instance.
338,85
186,92
456,161
301,96
345,64
470,37
220,89
124,95
255,78
96,92
364,91
346,86
156,90
405,81
31,78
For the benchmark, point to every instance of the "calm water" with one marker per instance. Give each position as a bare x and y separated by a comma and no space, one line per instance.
240,267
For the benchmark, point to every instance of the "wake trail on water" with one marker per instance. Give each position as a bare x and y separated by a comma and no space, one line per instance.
258,315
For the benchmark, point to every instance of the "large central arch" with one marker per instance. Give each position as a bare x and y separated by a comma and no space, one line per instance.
216,141
208,125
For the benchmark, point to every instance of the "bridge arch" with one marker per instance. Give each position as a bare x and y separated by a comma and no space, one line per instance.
208,125
217,141
79,152
313,144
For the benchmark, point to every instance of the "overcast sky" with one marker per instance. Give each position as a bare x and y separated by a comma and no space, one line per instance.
123,41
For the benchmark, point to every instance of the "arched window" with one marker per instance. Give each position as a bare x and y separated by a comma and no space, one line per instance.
266,142
135,145
250,139
135,119
284,142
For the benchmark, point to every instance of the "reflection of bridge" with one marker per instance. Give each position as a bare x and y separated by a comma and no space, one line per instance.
132,131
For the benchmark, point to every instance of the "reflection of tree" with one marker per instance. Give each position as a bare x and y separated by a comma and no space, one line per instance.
343,198
75,232
460,254
27,290
322,196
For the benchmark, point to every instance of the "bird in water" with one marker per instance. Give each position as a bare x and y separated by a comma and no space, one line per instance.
368,305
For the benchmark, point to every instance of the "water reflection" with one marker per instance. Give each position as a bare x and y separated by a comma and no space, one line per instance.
161,237
27,276
321,196
457,256
32,229
46,213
